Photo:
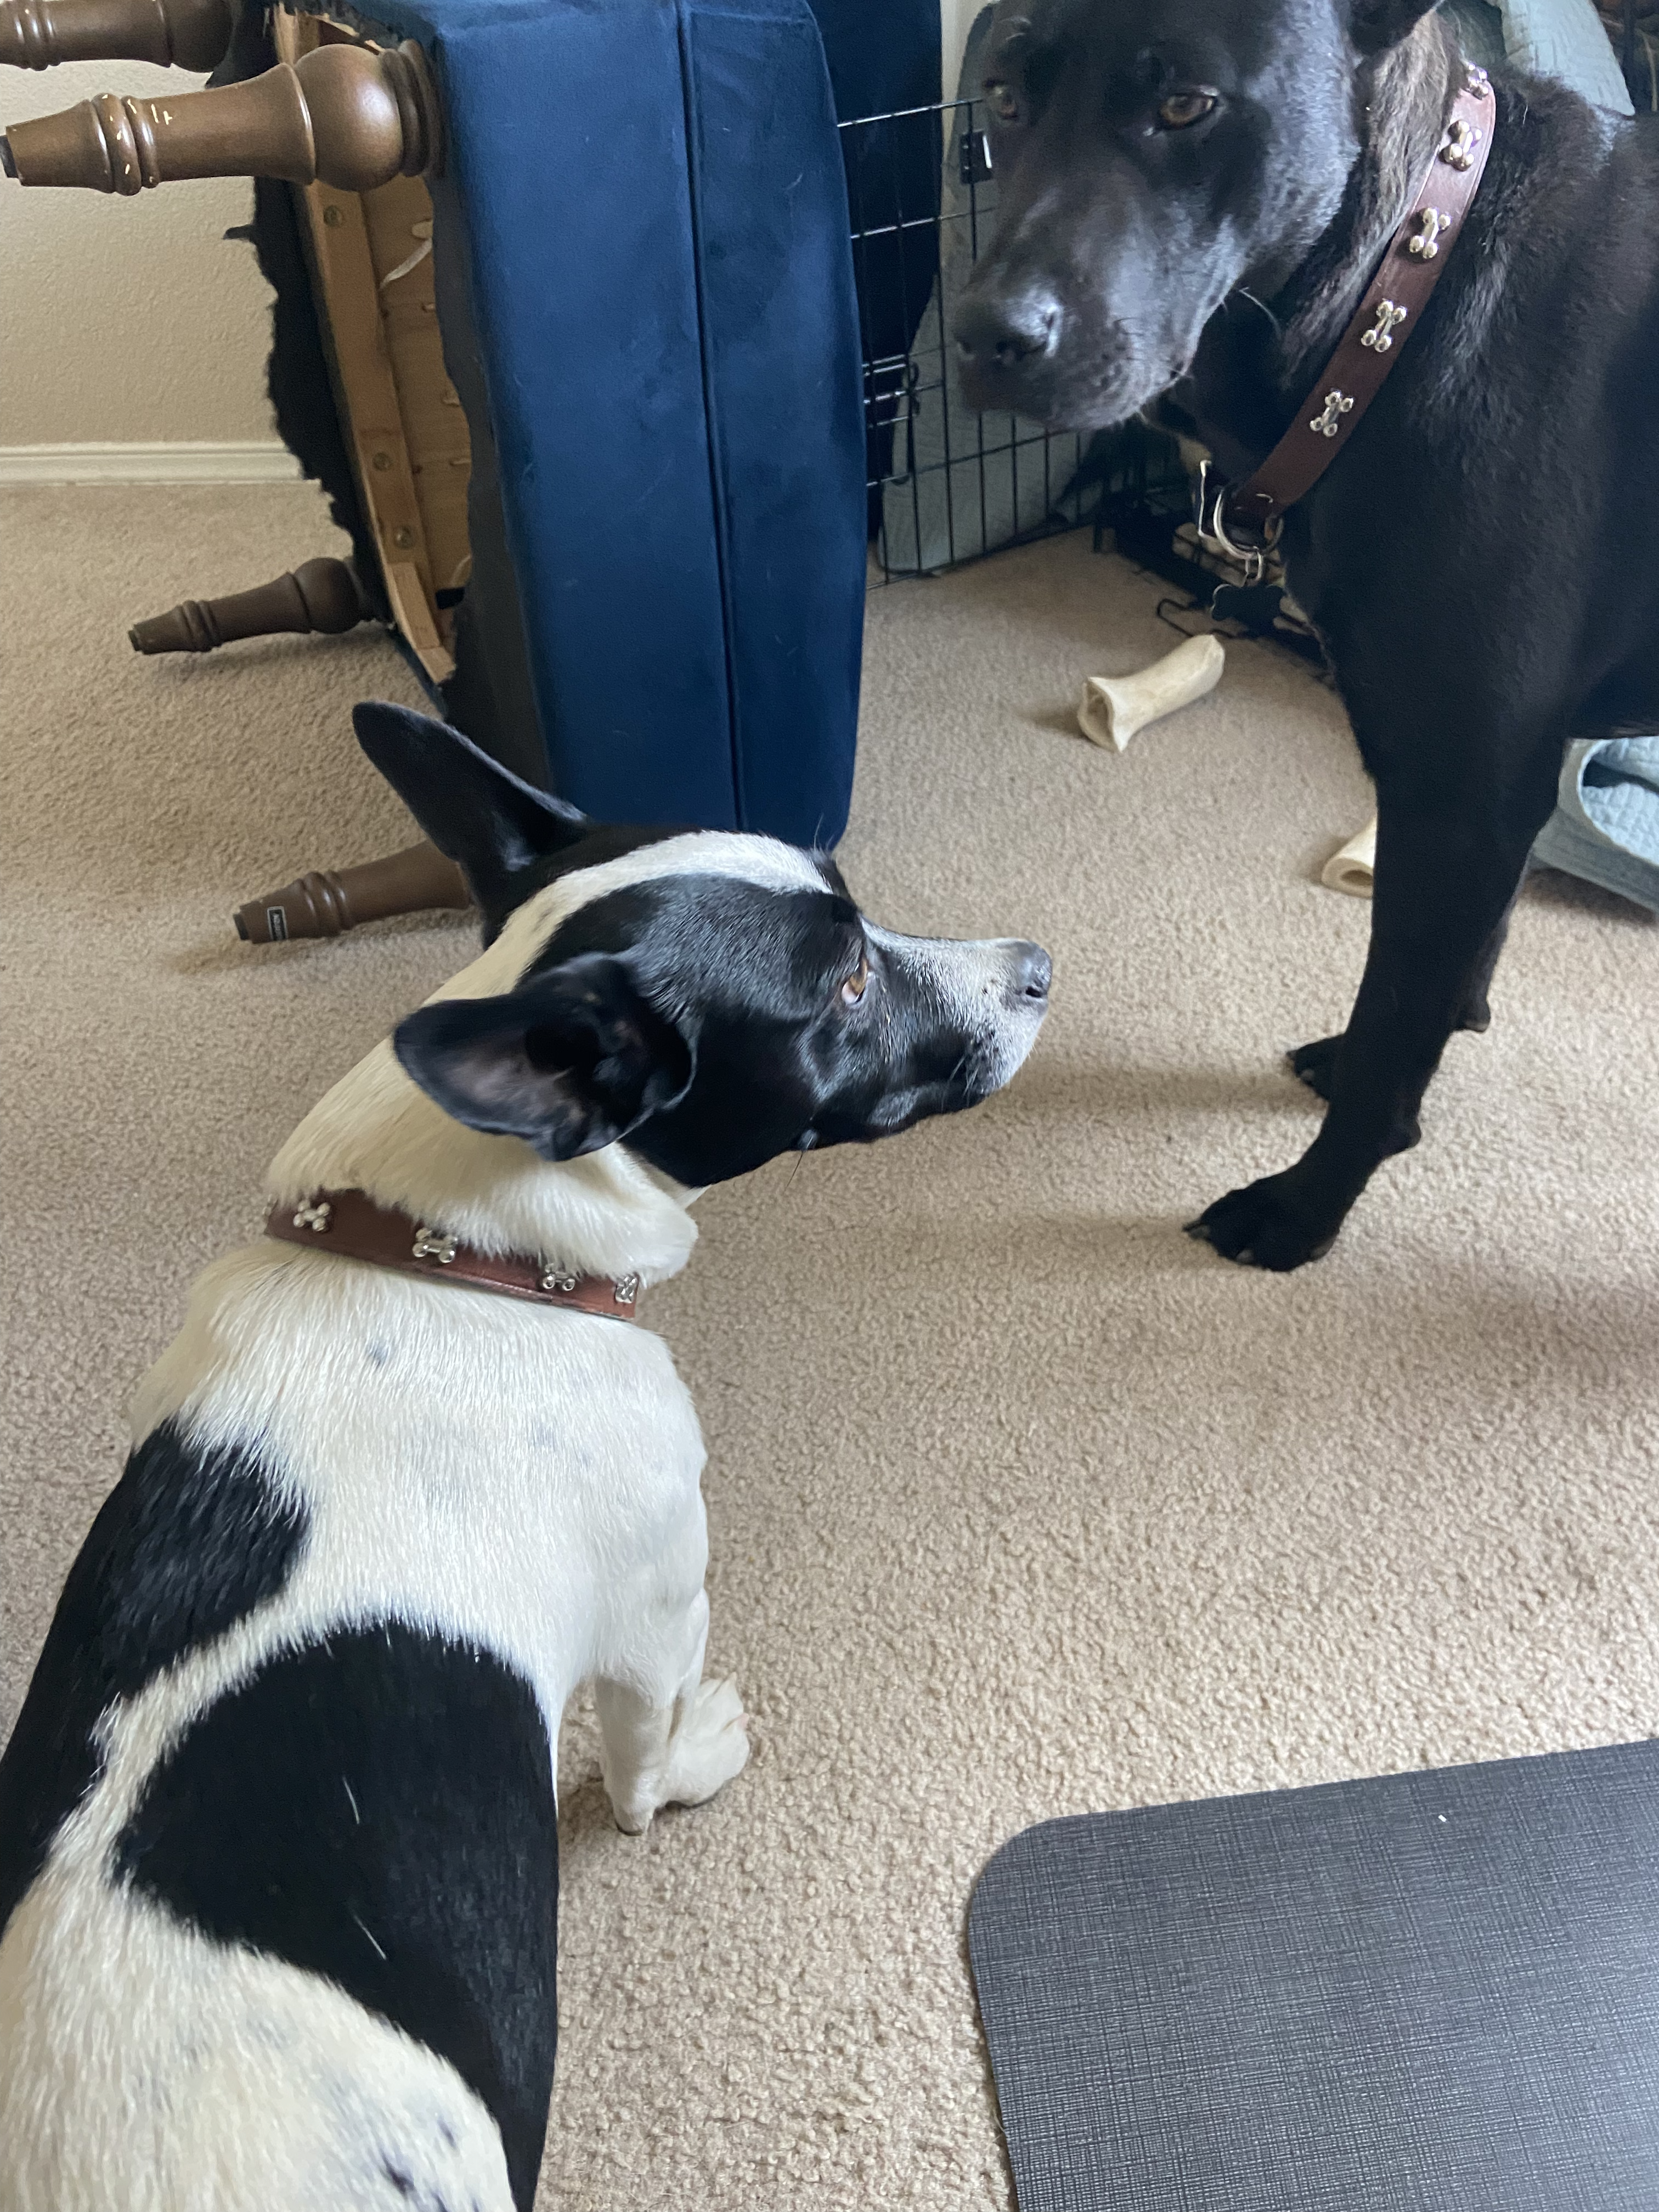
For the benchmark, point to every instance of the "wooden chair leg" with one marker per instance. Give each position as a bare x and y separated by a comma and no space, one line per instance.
321,595
345,116
324,904
187,34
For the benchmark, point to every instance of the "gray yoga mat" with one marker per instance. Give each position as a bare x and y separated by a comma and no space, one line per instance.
1433,1992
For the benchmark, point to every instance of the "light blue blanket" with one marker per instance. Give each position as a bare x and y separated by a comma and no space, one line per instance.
1606,823
1561,38
1565,39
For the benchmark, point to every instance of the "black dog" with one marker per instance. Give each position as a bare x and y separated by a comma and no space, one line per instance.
1195,197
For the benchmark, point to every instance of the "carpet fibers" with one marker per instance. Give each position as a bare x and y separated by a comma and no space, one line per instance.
1021,1503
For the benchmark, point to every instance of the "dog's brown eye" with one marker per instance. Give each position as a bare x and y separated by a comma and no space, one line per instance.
1182,109
1002,99
853,989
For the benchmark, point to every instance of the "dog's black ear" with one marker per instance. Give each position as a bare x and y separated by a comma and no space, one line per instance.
571,1061
492,825
1377,25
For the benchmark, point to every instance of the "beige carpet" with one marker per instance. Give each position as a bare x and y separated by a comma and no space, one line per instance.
1022,1504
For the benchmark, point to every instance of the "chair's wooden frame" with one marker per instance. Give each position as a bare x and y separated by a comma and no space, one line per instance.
353,129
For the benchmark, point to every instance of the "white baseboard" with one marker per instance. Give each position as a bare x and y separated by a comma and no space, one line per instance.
198,461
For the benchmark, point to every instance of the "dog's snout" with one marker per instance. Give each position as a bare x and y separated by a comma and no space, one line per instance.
1033,973
1004,334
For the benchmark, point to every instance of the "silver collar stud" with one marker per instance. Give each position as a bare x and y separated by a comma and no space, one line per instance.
1328,422
432,1244
627,1290
318,1217
1380,336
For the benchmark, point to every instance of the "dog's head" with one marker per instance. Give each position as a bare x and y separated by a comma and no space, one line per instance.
1153,157
711,1000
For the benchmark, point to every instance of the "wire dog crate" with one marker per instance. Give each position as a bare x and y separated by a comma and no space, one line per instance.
946,485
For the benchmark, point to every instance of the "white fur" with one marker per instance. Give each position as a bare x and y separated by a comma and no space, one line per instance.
151,2069
489,1471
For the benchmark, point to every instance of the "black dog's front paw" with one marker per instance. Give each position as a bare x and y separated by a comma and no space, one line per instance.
1315,1064
1263,1227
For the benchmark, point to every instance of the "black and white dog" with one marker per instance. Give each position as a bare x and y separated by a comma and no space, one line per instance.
1193,196
278,1871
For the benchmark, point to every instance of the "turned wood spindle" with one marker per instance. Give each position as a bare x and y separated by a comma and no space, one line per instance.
325,903
341,115
318,595
187,34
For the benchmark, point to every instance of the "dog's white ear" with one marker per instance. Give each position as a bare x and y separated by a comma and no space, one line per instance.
491,825
1377,25
571,1061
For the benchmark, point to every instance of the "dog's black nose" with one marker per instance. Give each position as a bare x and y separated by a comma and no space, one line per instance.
1003,333
1033,972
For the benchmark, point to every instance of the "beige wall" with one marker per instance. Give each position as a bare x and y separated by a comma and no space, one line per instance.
956,21
131,321
127,321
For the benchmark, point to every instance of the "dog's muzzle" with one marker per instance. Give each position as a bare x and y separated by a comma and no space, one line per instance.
1026,973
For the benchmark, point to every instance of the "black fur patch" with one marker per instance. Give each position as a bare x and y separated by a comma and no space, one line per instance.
782,1061
379,1809
188,1541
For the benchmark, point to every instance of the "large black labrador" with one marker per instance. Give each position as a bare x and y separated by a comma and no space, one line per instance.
1194,194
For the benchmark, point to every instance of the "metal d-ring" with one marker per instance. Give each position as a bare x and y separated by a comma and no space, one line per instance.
1210,523
1254,557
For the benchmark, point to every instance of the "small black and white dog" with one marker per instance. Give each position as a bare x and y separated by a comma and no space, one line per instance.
278,1871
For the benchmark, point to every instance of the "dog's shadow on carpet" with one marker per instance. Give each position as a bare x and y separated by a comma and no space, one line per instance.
1044,1254
1055,721
587,1826
1051,1085
1549,887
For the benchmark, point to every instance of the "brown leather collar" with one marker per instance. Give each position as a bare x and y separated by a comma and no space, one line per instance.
1246,517
350,1224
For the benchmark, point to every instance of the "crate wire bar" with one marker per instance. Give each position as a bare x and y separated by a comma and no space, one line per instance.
946,485
956,486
